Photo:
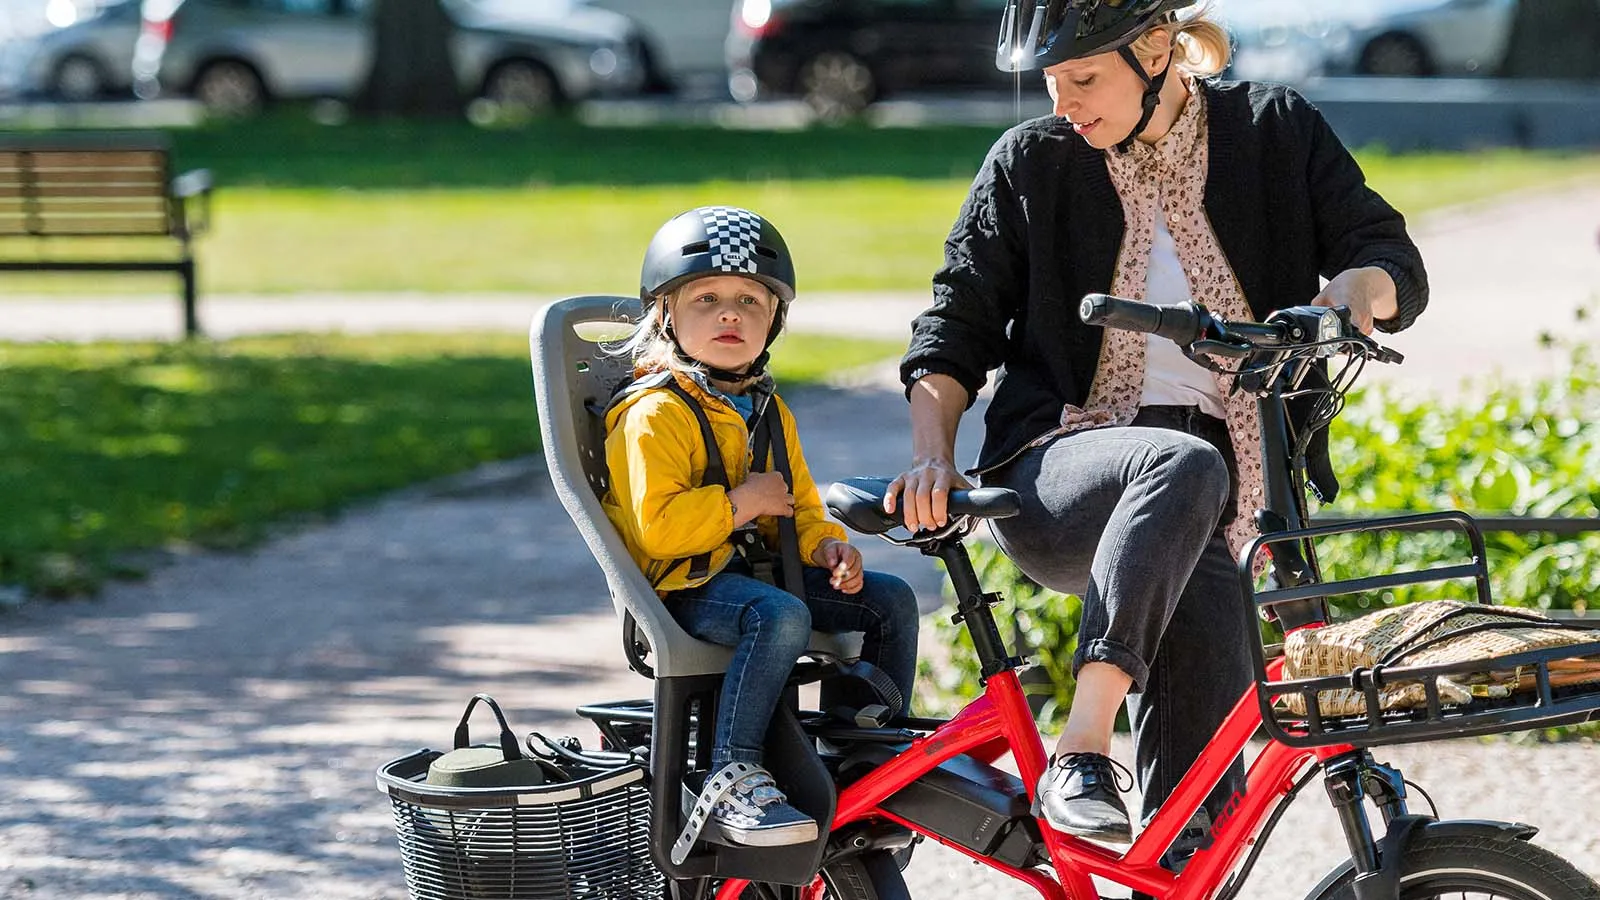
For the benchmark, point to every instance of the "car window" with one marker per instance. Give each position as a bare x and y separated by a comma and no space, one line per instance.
305,7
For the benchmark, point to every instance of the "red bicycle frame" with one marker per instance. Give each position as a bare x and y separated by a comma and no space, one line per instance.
999,722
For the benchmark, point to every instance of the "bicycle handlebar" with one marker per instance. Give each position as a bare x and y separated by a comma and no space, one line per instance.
1183,324
1191,325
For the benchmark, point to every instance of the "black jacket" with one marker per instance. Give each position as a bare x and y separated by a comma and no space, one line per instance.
1042,226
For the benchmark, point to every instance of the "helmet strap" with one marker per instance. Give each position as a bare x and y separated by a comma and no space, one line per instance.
1152,93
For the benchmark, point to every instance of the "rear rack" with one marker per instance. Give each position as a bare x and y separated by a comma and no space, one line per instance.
1534,698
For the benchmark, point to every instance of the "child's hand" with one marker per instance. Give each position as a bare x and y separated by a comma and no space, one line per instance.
762,494
844,562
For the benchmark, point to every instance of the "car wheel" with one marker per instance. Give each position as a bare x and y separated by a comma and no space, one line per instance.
1396,55
837,86
78,78
521,89
230,89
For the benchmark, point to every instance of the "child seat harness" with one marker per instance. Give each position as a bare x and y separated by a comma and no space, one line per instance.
768,444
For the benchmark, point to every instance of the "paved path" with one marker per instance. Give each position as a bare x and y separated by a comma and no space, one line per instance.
212,731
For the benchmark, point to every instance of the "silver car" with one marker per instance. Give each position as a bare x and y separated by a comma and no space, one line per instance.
68,51
1287,40
236,55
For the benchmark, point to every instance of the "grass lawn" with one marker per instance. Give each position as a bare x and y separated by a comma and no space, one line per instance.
561,208
111,448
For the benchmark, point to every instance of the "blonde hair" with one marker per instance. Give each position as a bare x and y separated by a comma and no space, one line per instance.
650,347
1200,47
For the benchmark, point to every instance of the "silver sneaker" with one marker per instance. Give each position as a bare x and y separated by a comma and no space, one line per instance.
741,804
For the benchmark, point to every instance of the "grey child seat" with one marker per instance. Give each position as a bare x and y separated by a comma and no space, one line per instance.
573,380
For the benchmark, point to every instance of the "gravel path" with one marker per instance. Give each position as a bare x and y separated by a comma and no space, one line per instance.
213,731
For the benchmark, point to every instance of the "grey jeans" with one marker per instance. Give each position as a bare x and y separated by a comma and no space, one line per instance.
1129,519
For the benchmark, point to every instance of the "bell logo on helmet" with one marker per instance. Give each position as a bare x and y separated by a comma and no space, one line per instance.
732,233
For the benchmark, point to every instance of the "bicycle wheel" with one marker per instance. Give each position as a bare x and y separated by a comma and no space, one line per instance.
1474,866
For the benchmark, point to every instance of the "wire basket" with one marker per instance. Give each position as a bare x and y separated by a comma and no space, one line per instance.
585,839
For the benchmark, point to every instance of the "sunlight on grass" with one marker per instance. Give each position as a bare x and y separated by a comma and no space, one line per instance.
107,448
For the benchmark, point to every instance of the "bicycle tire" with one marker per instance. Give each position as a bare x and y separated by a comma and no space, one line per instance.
1479,865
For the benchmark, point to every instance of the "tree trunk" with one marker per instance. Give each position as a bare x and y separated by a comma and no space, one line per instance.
413,73
1554,39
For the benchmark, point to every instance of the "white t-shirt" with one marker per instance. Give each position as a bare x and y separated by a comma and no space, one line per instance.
1170,378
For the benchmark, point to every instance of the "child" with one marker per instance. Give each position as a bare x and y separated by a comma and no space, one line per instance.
716,283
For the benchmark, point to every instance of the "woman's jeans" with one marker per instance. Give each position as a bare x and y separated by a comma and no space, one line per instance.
1130,520
769,629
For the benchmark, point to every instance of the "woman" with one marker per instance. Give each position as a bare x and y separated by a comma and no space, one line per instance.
1162,186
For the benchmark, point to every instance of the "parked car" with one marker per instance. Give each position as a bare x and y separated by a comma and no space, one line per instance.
681,42
1287,40
237,55
684,41
72,52
840,55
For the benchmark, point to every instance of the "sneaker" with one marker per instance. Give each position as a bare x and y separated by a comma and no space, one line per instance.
741,804
1078,794
756,814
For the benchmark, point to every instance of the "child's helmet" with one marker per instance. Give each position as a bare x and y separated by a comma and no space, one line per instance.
716,240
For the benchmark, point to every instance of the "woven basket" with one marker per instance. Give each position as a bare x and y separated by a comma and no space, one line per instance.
1419,634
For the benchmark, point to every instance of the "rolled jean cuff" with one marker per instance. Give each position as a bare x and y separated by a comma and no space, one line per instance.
1102,650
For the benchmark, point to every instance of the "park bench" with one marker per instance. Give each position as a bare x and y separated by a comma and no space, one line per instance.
60,189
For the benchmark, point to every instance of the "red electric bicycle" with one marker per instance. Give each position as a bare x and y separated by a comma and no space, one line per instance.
879,785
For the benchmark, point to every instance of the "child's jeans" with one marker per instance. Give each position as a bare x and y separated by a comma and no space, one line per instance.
769,628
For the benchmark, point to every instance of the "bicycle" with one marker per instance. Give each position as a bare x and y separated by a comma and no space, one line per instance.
879,783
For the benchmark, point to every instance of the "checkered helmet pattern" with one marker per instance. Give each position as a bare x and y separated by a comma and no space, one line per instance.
732,234
716,240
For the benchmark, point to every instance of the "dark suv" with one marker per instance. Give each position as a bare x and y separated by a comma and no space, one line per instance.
840,55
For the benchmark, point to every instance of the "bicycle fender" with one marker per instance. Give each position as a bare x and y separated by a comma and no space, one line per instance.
1384,884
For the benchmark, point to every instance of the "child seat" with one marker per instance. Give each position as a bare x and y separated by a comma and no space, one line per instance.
573,379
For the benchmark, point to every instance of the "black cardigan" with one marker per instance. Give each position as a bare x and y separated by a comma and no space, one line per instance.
1042,226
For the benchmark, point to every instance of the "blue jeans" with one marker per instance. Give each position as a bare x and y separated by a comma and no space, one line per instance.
769,628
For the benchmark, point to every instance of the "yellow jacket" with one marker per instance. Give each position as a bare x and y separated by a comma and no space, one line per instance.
657,460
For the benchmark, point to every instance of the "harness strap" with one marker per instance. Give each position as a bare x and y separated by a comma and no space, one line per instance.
769,432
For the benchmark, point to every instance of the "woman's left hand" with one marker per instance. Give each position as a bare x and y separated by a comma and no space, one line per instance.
843,562
1368,292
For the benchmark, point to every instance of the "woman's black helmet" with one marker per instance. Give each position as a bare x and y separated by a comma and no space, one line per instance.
1037,34
716,240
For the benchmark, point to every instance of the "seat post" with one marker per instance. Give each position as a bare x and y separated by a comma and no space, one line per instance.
972,608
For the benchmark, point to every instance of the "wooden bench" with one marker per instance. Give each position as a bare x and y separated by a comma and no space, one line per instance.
56,189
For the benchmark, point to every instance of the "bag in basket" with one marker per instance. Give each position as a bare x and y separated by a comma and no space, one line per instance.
1432,633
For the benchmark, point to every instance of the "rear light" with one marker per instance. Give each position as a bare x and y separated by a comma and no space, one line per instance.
754,18
160,32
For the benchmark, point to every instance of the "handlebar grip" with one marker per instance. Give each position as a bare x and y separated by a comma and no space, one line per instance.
1182,324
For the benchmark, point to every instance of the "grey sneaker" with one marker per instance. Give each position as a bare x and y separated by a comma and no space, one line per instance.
740,804
756,814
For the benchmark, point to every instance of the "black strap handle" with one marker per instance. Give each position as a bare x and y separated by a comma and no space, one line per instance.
508,741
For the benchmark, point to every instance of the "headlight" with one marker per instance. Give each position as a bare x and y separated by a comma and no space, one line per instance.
1330,327
603,62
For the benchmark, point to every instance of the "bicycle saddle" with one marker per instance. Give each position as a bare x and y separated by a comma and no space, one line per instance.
858,503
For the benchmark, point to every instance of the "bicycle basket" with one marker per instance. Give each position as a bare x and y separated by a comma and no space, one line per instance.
1434,669
578,830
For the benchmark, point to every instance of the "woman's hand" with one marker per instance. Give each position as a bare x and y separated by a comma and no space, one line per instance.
762,494
843,561
1369,292
926,487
